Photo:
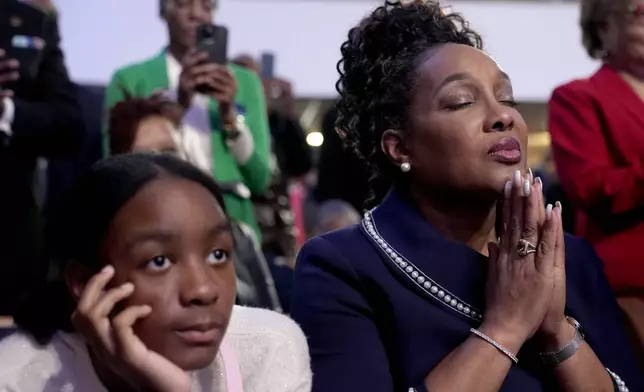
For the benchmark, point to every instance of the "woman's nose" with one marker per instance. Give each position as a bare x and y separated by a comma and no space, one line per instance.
499,121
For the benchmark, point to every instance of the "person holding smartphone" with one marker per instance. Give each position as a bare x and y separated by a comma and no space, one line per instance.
39,117
224,123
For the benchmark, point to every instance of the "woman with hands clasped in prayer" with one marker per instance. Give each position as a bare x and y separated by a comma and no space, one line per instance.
441,287
145,297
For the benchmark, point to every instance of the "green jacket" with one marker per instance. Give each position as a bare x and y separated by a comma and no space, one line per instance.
142,79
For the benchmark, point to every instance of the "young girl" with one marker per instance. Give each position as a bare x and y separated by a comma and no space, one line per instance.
145,296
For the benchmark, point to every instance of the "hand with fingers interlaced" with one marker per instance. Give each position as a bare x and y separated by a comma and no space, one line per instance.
112,339
555,331
522,269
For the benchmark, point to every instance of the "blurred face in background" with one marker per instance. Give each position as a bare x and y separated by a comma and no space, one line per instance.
335,215
154,134
183,17
622,36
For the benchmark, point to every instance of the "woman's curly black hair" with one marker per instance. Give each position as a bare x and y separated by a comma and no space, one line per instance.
377,76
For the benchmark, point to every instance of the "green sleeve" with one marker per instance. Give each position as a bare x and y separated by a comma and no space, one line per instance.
113,95
257,172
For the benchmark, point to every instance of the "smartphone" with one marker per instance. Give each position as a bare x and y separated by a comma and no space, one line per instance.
268,65
21,40
213,40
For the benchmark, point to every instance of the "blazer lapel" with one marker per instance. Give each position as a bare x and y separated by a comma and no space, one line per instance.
447,273
155,74
615,88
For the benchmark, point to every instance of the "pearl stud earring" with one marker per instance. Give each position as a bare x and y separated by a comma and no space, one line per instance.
405,167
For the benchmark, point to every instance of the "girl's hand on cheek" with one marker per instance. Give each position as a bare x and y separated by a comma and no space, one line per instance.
113,341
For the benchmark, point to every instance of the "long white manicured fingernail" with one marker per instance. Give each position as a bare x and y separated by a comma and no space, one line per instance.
558,204
539,183
549,211
517,178
526,188
531,178
508,189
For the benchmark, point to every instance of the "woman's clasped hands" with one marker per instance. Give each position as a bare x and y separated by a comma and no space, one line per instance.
526,288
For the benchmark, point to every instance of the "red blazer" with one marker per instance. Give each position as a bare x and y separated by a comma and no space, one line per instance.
597,129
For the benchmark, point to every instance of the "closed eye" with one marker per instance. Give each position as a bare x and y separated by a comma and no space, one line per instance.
510,102
459,106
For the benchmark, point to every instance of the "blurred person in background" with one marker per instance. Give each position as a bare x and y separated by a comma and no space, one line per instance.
597,128
224,133
47,6
460,279
280,208
139,124
293,154
39,117
341,174
293,161
334,215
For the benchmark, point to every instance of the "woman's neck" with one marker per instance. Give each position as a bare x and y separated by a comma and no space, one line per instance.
635,83
633,79
177,51
467,220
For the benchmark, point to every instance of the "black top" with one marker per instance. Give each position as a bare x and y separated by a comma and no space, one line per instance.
47,123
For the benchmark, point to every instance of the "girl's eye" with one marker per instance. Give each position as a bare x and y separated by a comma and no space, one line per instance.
218,256
159,263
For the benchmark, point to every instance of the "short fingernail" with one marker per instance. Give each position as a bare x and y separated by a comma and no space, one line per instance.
108,269
526,187
508,189
549,211
517,178
128,286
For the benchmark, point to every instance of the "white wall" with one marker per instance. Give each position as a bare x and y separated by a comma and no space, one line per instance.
537,44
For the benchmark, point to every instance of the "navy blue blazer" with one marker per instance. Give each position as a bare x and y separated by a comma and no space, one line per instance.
384,302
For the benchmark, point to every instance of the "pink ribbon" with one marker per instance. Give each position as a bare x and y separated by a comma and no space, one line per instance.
231,368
